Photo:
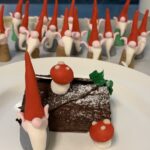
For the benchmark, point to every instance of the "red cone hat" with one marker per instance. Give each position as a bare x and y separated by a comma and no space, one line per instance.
65,24
44,11
143,26
39,27
94,11
108,27
33,107
76,26
124,12
26,15
19,7
55,15
2,28
94,33
134,31
72,7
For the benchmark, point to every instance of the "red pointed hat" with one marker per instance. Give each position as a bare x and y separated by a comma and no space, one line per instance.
94,11
19,7
2,28
44,11
39,27
108,27
72,7
65,24
134,31
94,33
33,107
26,15
124,12
76,26
55,15
143,26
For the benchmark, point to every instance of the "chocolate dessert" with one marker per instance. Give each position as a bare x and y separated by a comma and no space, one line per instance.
74,111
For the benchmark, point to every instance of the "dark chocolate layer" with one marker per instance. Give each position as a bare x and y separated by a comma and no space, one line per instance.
74,112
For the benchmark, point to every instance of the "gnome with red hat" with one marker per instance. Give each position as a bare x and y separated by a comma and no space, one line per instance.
131,44
76,33
108,36
51,33
4,49
16,20
94,43
122,21
34,39
34,119
23,29
142,36
65,41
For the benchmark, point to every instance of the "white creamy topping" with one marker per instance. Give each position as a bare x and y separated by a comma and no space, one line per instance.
103,145
59,89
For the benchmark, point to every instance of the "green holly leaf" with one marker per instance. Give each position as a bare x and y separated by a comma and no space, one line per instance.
98,79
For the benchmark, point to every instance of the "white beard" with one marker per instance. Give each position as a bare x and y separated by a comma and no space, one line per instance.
50,39
108,45
130,52
21,40
44,29
77,45
3,39
67,41
96,52
32,44
141,46
122,26
38,137
70,26
16,23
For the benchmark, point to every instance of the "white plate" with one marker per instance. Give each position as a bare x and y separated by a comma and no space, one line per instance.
130,105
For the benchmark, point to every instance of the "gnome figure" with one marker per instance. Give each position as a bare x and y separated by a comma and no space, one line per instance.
76,33
65,41
23,29
94,45
108,35
131,44
34,39
122,20
16,20
142,36
49,41
34,119
71,15
4,49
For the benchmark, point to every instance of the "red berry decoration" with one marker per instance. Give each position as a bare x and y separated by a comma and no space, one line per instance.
102,131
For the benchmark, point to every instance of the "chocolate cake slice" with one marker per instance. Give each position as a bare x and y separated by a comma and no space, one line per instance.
74,111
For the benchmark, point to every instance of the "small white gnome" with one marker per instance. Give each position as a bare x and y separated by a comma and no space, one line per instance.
23,29
122,21
65,41
51,33
35,117
131,44
16,20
